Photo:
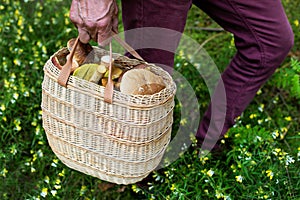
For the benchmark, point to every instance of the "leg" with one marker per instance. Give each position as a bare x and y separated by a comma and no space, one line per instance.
156,46
263,38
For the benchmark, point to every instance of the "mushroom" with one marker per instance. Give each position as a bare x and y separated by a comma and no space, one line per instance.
56,63
116,73
90,72
104,81
141,82
98,74
81,53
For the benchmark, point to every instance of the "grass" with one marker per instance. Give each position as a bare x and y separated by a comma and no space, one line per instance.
263,160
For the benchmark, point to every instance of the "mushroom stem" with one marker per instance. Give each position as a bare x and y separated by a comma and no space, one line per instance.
98,74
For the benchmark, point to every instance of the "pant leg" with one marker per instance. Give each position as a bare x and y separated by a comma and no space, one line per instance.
171,14
263,38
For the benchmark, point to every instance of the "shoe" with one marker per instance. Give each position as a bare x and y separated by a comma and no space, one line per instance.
144,184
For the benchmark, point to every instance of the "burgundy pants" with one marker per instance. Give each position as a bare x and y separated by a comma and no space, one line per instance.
262,35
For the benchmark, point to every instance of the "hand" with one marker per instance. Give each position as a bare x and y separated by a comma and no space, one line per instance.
95,19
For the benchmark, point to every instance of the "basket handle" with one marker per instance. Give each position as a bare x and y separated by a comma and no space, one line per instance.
109,88
66,69
126,46
108,92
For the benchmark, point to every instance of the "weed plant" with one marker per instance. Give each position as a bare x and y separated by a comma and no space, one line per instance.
262,161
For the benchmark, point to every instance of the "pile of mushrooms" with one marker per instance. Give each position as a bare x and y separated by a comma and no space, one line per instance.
137,81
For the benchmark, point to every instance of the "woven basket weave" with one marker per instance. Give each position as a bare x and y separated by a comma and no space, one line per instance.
121,142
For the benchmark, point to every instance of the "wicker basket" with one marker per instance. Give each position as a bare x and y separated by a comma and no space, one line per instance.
121,142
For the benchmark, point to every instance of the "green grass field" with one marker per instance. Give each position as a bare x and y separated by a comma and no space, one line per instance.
264,155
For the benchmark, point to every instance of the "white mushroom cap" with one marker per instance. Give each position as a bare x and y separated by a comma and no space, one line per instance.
141,81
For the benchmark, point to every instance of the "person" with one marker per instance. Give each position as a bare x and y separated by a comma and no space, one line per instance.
262,35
